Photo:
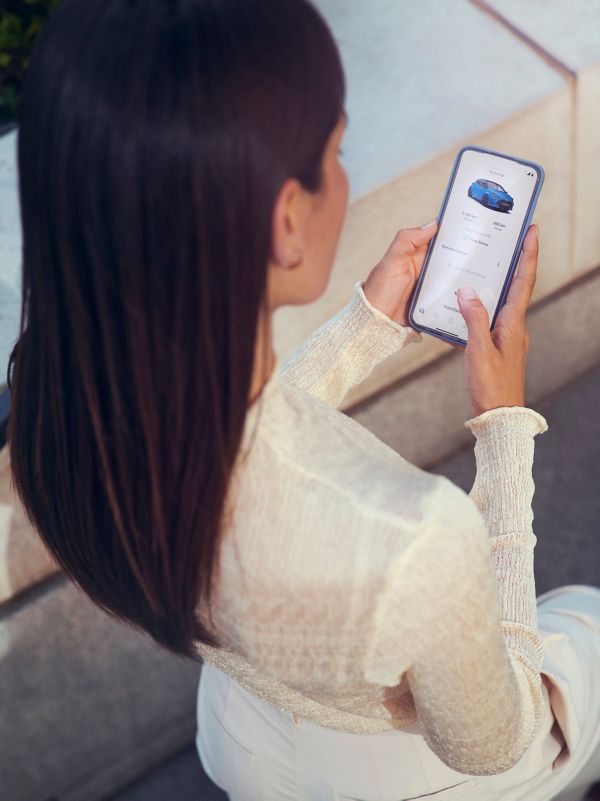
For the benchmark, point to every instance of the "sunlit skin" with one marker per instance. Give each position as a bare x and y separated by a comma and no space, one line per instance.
308,225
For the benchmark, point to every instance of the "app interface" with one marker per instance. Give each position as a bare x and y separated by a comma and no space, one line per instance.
476,238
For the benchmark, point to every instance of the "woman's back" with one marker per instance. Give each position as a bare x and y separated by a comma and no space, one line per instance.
354,585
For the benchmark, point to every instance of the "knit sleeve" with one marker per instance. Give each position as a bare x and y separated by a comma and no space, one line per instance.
503,492
344,350
475,671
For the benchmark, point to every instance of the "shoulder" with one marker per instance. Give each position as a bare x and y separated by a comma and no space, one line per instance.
323,454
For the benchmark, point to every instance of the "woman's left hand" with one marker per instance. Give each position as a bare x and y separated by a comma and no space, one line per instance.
391,282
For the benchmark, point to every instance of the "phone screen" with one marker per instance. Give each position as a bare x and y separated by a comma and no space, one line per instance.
475,244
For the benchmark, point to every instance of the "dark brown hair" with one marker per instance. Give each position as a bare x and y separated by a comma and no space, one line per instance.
153,137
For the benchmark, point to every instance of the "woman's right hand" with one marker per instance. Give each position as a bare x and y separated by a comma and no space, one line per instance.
495,360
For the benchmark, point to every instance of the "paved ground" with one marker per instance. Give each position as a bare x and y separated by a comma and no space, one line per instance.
567,523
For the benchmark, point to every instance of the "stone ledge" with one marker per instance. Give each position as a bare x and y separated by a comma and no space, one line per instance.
92,703
550,117
569,33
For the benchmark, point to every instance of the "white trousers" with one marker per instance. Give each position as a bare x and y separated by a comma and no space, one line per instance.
255,752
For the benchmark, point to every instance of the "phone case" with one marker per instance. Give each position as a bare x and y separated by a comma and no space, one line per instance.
516,255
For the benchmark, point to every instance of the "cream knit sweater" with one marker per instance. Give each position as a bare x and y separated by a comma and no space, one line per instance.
363,593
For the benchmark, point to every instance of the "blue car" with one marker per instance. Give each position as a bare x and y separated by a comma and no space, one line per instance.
490,194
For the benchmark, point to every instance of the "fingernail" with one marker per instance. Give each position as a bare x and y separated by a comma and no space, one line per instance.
467,293
429,224
537,231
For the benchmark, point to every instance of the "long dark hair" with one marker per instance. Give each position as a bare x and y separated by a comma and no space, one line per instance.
153,137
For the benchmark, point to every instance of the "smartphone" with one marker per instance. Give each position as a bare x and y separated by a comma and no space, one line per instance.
483,219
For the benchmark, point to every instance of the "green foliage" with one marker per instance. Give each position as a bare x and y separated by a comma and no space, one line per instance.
20,23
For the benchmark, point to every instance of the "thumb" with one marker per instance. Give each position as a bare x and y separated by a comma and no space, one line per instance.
475,315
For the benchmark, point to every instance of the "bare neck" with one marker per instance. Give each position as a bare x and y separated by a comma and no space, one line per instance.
263,364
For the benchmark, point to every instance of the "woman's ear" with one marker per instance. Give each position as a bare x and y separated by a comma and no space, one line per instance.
287,223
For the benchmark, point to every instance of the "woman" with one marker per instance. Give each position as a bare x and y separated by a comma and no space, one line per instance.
368,630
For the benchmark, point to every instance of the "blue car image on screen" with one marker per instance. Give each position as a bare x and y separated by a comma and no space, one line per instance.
490,194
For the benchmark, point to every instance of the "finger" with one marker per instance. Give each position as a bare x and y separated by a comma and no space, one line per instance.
417,260
476,317
521,287
408,240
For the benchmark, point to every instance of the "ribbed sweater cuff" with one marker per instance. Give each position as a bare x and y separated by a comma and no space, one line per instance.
500,421
409,333
504,451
